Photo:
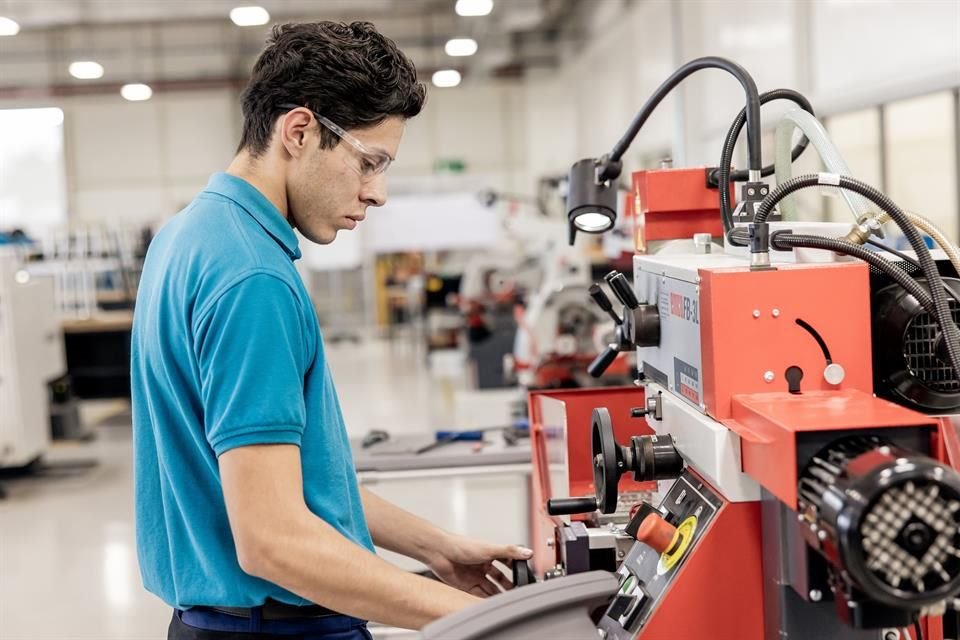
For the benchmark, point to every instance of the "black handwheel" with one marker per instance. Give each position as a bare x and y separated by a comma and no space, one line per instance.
522,573
606,459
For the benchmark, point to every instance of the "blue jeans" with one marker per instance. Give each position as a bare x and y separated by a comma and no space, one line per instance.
212,625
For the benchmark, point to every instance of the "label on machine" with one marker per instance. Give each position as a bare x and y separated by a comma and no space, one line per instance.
645,574
676,362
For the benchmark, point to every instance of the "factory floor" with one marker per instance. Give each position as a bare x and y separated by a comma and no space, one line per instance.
68,565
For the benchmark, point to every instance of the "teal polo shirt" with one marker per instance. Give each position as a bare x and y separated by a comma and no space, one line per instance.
226,352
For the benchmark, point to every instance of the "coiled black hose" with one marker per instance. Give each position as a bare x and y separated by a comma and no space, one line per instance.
723,174
941,310
751,111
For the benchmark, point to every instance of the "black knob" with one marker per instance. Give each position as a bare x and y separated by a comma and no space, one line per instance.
571,506
622,289
600,297
655,458
602,361
603,302
642,326
522,573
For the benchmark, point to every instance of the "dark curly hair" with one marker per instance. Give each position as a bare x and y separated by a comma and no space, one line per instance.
350,73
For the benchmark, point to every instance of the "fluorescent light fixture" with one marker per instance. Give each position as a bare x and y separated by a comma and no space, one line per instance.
136,92
8,27
446,78
251,16
461,47
474,7
86,70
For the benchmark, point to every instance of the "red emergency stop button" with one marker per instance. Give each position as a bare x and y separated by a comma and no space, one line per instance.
658,534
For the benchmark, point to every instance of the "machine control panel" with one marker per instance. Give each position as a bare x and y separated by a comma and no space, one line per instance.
689,506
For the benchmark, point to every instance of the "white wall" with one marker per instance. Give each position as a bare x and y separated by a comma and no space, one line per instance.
138,163
134,163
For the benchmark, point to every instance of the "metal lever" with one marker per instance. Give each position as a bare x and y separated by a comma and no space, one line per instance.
622,289
571,506
602,361
604,302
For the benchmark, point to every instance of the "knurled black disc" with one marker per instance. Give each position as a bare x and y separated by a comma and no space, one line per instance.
605,476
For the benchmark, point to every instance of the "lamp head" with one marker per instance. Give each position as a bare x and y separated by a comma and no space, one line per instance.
592,196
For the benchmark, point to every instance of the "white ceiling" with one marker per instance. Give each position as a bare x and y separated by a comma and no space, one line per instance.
178,44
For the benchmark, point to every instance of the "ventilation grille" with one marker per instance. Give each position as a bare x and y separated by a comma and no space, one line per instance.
919,347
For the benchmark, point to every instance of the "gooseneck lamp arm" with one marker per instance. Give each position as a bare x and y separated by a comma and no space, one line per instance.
611,165
592,199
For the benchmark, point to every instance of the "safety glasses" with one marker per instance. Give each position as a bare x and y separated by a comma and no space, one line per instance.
370,163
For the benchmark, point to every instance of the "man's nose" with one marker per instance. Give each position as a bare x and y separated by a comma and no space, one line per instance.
374,192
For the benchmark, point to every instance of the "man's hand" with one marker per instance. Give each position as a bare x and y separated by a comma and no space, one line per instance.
468,564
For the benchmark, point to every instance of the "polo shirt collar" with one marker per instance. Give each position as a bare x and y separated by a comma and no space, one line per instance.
259,207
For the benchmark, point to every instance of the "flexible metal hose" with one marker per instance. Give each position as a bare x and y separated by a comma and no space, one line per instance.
953,254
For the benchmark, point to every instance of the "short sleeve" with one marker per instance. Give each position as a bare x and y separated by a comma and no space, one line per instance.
250,348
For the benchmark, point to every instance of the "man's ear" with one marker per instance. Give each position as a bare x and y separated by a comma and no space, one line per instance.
293,129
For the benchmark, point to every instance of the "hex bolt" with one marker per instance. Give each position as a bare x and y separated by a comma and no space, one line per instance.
756,313
815,595
769,376
776,313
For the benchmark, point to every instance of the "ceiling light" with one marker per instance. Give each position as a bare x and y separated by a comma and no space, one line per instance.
86,70
136,92
446,78
474,7
8,27
461,47
249,16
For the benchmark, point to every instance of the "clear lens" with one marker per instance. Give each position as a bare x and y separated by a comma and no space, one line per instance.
592,222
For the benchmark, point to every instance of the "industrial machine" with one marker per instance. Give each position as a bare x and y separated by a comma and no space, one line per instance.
794,414
31,356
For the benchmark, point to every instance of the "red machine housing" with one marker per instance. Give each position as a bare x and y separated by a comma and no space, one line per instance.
560,442
672,203
748,326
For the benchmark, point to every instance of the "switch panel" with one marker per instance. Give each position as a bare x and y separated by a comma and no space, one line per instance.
645,574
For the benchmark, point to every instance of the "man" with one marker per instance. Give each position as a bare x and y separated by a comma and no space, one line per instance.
250,522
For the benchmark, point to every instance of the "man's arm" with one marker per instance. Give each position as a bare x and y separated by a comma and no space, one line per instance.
400,531
459,561
280,540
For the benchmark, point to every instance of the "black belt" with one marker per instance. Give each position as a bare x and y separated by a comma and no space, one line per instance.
273,610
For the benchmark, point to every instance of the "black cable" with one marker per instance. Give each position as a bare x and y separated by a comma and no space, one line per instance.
788,241
891,250
611,163
940,302
723,174
918,629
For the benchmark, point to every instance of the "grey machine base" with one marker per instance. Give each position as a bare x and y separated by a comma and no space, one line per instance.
557,608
